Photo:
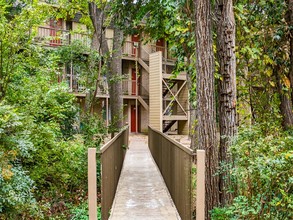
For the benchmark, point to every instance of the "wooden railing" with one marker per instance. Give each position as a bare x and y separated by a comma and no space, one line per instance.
166,53
129,87
175,162
58,37
130,49
112,158
75,85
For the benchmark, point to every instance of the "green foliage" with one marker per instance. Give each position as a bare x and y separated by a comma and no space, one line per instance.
16,192
81,212
85,63
262,176
174,21
17,20
93,130
262,57
42,158
58,169
16,187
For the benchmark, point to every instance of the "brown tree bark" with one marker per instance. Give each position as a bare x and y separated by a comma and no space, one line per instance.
286,103
289,19
115,81
206,129
113,62
226,88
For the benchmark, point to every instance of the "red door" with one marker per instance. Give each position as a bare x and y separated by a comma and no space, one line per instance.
133,82
160,45
133,119
135,40
55,32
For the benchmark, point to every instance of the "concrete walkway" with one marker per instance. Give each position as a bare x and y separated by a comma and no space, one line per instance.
141,192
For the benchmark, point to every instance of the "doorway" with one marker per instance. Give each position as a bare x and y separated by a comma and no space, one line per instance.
135,40
133,119
160,46
55,32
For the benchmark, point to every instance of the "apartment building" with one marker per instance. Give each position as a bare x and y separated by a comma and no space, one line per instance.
151,94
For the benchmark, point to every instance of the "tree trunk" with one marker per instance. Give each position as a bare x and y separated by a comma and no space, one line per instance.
289,18
115,81
226,88
114,64
286,104
206,129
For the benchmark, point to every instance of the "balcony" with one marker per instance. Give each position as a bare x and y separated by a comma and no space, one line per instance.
130,87
53,37
133,50
166,53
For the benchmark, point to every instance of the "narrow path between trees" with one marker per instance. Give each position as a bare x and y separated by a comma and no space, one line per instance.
141,192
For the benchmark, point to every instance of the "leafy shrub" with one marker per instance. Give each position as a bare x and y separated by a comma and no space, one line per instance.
16,187
81,212
16,193
93,130
262,177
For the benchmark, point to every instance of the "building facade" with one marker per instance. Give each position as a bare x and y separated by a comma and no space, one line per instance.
151,94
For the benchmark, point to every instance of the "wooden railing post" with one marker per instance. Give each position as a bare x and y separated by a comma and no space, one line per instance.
92,183
200,185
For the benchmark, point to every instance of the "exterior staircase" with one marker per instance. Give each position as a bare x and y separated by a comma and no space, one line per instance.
168,125
143,103
144,64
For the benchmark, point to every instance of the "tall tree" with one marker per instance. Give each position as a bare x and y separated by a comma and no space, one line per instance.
285,99
226,87
206,100
113,61
289,19
284,77
115,80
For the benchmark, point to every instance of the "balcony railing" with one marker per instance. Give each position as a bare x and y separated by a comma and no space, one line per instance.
58,37
55,37
130,49
130,87
135,49
165,52
75,84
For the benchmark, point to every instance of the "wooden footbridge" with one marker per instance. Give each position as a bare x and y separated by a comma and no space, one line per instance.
145,178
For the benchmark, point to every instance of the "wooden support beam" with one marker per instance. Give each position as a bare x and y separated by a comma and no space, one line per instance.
175,97
144,65
107,111
200,185
92,184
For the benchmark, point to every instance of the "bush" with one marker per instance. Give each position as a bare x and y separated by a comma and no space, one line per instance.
16,187
262,177
93,130
81,212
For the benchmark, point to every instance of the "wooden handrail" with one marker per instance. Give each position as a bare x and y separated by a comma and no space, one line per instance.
175,162
110,143
177,144
58,37
112,158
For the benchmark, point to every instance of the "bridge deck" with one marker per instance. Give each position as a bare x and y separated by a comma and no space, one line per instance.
141,193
